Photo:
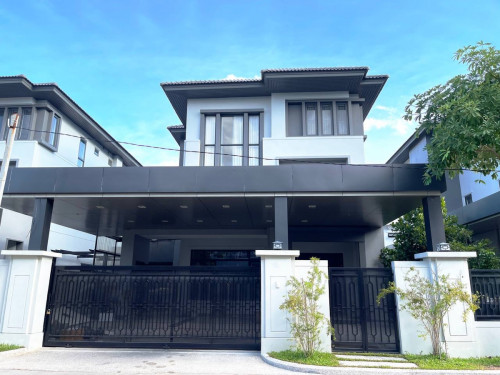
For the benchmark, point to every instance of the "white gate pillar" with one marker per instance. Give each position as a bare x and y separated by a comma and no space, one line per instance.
460,337
277,266
26,297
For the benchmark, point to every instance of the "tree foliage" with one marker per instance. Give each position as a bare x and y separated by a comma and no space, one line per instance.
302,302
463,116
410,239
430,300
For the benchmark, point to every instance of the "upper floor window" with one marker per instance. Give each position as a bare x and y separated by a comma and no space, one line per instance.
7,117
81,153
468,199
51,135
231,139
317,118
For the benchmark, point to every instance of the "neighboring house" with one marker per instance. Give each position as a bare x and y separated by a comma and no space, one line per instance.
53,131
476,204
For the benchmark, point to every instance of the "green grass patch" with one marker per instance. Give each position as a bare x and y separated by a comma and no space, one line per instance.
317,359
431,362
5,347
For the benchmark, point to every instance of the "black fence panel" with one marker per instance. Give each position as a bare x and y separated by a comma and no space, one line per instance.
487,284
360,323
169,307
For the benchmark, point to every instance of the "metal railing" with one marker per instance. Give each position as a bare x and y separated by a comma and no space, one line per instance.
487,284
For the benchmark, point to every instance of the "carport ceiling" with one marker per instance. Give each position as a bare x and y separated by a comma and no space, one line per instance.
111,216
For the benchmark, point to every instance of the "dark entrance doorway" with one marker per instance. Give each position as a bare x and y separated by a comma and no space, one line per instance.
360,323
168,307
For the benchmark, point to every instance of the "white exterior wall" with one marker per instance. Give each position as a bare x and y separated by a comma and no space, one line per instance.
418,154
468,185
349,147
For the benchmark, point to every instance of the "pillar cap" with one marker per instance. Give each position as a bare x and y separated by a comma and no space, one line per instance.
446,255
277,253
30,253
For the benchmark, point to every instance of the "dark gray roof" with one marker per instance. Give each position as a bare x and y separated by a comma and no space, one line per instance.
178,132
351,79
19,86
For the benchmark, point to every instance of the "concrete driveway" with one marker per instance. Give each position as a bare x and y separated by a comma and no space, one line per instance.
128,361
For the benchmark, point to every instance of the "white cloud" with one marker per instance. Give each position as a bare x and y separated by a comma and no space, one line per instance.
399,125
386,109
235,77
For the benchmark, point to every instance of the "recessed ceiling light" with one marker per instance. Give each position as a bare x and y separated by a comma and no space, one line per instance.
183,206
164,221
199,221
226,206
269,221
99,207
304,221
312,206
130,221
141,206
234,221
154,239
268,206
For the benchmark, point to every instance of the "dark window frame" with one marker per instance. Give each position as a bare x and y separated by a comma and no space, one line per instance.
319,116
22,129
218,133
79,159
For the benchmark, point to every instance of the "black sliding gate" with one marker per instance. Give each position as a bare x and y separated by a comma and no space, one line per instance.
360,324
167,307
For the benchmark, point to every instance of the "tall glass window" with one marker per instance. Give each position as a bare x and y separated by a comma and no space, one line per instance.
209,157
326,119
253,139
311,119
342,119
51,136
25,124
81,153
231,140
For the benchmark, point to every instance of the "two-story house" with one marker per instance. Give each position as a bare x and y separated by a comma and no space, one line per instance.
53,131
476,204
275,162
280,158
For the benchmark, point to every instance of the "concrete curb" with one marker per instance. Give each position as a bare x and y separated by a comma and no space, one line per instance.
290,366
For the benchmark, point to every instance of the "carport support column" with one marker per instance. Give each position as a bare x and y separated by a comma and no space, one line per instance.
40,225
276,268
26,297
281,220
434,224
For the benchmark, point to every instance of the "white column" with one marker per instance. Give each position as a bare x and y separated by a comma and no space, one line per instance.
460,337
276,268
26,297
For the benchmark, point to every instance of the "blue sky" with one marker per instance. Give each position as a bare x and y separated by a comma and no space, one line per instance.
110,56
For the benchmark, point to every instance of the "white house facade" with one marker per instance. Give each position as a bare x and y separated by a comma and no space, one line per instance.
476,204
